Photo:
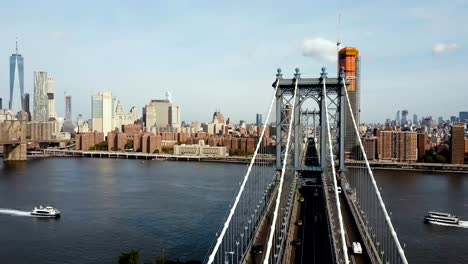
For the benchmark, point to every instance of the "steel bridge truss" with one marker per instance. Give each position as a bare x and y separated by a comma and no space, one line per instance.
309,88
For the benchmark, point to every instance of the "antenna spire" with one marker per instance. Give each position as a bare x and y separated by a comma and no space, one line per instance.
16,45
338,43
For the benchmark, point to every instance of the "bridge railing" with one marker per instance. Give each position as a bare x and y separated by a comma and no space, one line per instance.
367,203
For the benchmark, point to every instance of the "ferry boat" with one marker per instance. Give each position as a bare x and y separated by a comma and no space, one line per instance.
47,211
441,218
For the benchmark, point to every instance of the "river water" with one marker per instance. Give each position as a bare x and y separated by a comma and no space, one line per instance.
175,208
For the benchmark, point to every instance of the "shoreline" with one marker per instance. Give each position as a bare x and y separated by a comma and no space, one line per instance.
418,167
229,160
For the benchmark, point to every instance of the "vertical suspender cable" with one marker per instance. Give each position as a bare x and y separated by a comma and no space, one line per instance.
379,197
241,190
280,187
332,161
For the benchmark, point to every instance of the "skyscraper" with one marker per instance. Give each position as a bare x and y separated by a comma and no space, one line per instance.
102,111
68,109
68,122
16,62
259,120
50,97
463,117
174,117
348,58
415,119
27,107
397,117
404,117
440,120
40,104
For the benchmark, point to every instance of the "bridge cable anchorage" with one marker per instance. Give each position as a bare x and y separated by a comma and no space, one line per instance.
280,187
374,183
332,161
234,206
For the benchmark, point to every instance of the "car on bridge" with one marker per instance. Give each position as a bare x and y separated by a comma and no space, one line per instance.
357,249
257,250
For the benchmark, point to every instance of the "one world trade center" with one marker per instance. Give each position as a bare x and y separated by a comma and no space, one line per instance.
16,62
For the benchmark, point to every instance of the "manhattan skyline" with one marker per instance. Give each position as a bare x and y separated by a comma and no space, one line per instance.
224,56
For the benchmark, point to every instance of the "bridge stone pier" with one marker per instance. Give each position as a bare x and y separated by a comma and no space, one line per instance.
13,139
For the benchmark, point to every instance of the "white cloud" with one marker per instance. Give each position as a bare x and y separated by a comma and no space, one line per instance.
444,48
320,49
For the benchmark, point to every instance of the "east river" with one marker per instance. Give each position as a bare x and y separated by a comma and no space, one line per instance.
174,209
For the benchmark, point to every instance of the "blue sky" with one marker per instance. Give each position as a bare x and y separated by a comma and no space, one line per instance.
223,55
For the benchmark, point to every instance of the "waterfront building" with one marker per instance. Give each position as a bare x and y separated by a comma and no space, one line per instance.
466,148
370,146
102,111
457,144
407,146
348,58
200,150
424,144
84,141
40,104
397,145
16,63
50,97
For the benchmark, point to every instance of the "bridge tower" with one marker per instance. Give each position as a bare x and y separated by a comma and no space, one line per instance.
309,88
13,139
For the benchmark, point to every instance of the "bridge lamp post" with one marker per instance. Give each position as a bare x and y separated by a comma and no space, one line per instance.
237,252
226,261
242,241
250,221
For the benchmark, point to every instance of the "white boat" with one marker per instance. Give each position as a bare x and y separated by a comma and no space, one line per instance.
47,211
441,218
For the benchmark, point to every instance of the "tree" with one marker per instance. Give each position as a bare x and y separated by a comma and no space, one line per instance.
440,159
101,146
132,257
129,144
428,158
166,149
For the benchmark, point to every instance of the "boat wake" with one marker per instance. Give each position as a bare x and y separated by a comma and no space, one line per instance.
462,224
14,212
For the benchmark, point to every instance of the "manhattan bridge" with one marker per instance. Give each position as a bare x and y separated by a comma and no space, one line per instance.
321,195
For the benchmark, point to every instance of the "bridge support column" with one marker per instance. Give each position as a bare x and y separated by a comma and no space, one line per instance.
14,152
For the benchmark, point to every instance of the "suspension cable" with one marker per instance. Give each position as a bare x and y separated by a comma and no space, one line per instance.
246,177
280,187
332,161
374,183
